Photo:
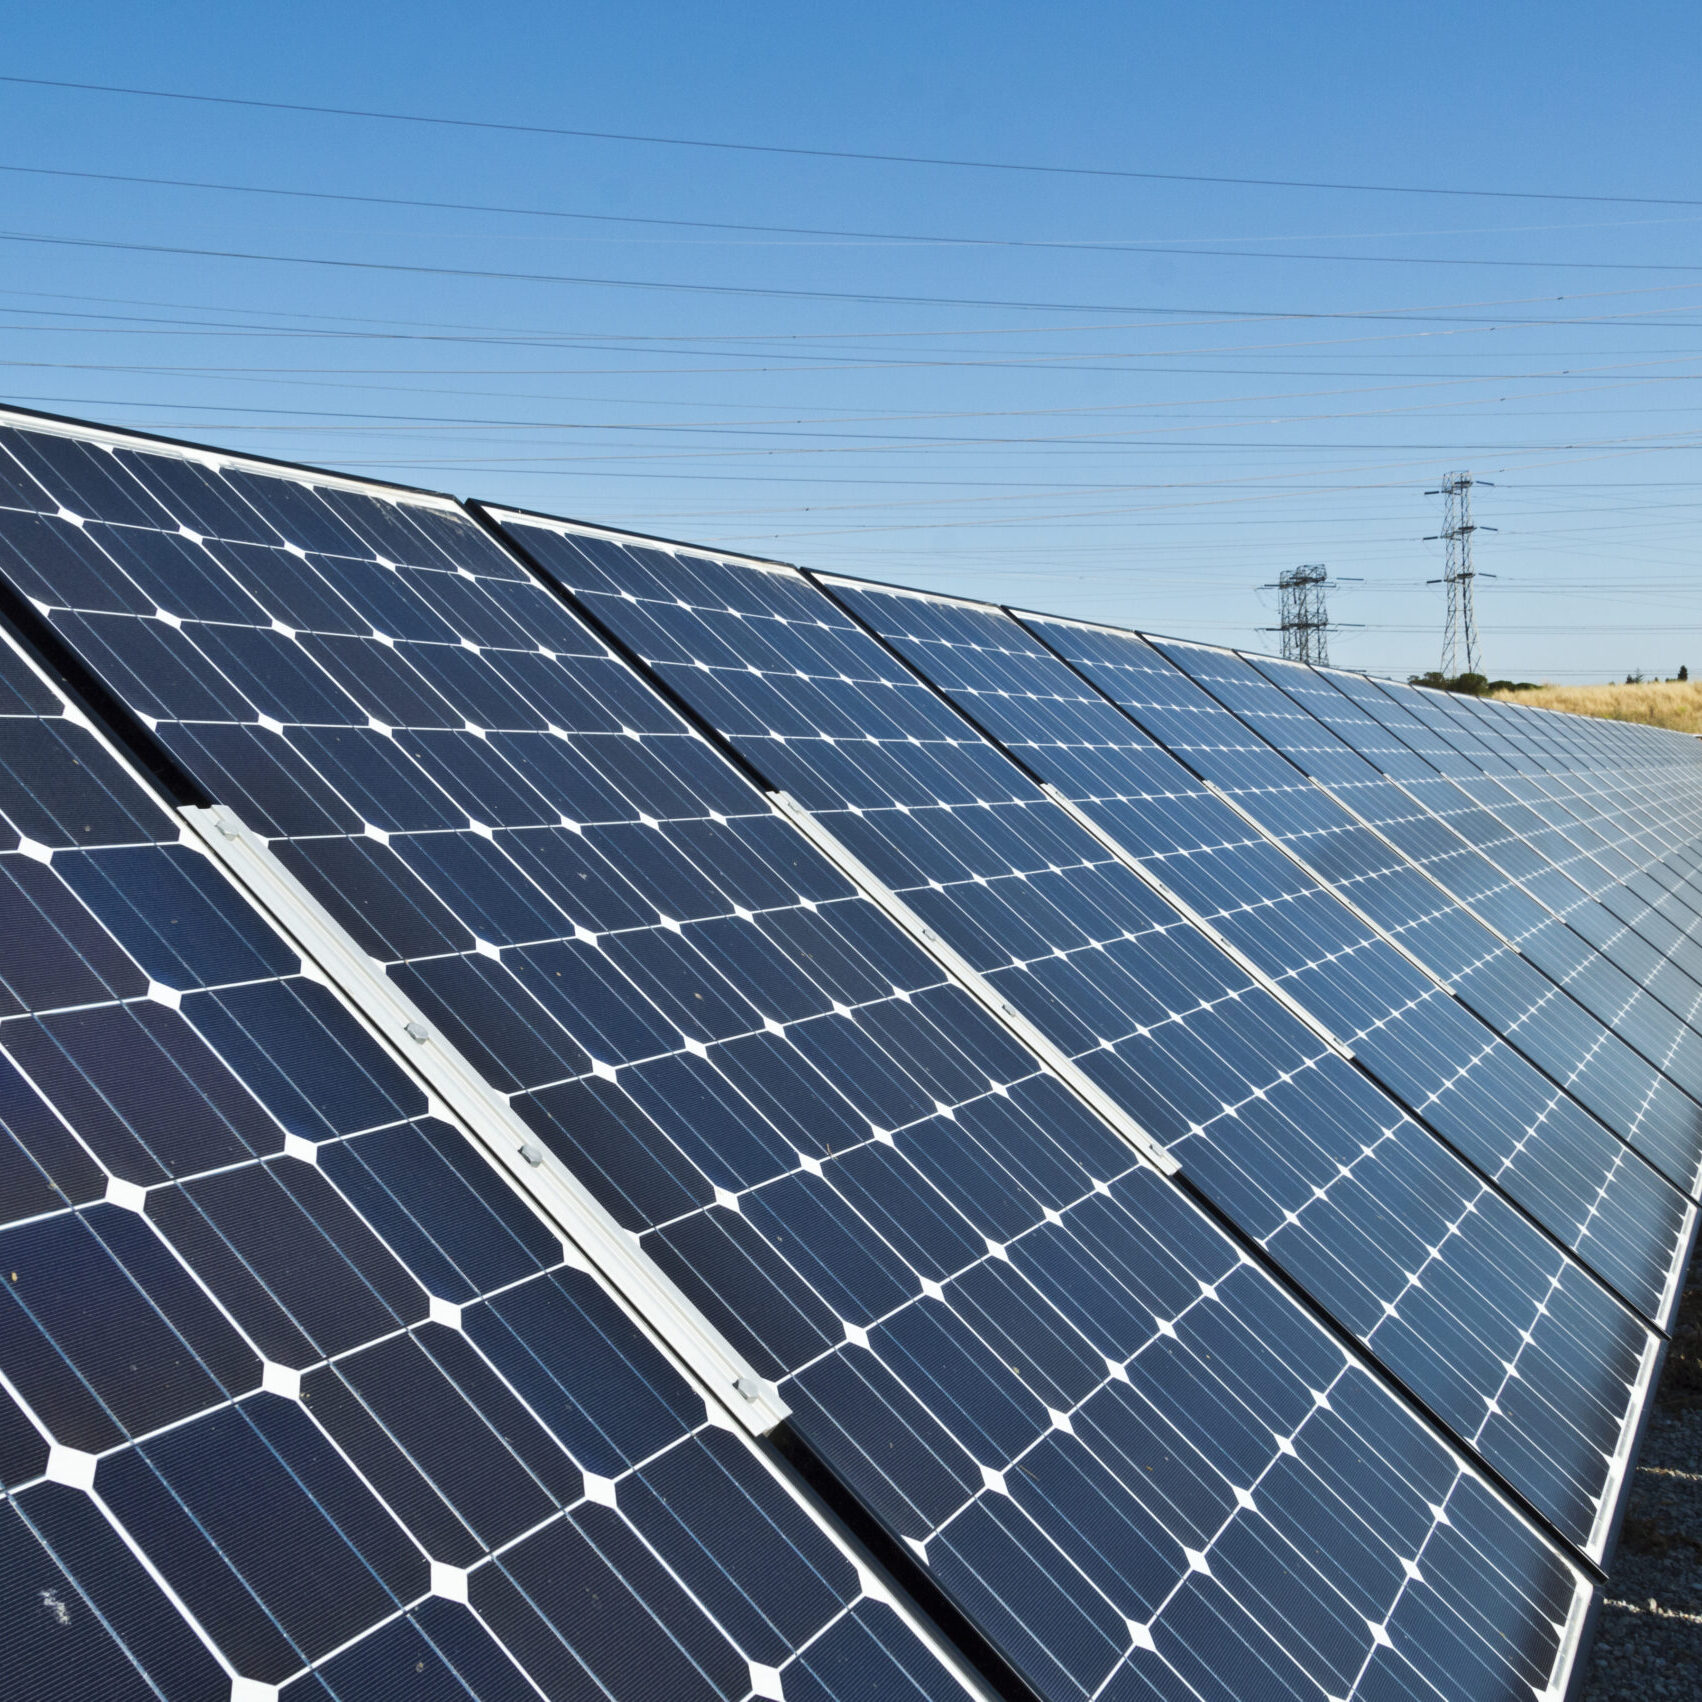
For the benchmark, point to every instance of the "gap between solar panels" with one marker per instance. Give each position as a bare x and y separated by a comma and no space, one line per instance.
959,968
451,1079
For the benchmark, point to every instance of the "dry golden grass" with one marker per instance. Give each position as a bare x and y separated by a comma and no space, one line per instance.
1661,703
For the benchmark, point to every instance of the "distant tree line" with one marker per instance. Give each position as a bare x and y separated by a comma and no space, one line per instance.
1480,685
1473,685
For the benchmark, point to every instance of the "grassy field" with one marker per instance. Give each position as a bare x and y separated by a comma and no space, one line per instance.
1661,703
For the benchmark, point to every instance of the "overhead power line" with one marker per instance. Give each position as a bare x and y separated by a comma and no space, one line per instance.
900,238
842,153
1172,315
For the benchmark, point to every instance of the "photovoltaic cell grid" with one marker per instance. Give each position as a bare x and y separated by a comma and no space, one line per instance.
1480,1286
1456,841
1551,819
611,561
293,1389
1651,815
1662,900
1446,758
1553,1030
1283,1134
1574,1045
1554,921
1639,771
1657,1034
1623,1090
1651,820
1590,894
1558,1162
1493,784
1438,825
1133,1463
1660,1117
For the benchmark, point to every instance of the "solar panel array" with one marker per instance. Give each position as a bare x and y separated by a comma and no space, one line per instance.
590,1118
1476,1090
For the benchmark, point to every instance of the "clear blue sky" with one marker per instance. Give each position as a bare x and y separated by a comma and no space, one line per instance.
1142,423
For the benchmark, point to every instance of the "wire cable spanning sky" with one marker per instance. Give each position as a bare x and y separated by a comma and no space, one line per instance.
1094,308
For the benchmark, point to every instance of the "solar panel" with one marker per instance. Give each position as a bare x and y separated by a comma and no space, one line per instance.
1645,820
1560,819
297,1393
1285,1115
1440,840
1645,975
1544,1150
1455,840
1609,830
1616,820
1553,1029
1490,778
1126,1461
1355,979
1073,739
1559,759
1493,783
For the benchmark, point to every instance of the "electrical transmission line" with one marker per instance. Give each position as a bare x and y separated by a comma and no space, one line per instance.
1459,634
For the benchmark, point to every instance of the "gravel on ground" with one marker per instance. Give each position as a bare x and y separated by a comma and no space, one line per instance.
1649,1632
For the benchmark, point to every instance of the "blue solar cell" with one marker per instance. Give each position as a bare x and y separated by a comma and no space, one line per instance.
1511,879
323,1395
438,1653
1072,737
1552,918
231,1507
174,914
156,1351
457,1471
88,1618
38,917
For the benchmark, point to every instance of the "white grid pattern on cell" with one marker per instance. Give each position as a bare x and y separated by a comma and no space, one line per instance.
496,833
1608,996
298,552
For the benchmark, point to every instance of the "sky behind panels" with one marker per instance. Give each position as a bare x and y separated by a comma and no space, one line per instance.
1142,422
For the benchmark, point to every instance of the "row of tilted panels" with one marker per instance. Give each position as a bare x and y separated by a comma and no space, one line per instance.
585,1118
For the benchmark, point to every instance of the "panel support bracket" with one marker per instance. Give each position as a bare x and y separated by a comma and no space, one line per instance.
1053,1056
571,1210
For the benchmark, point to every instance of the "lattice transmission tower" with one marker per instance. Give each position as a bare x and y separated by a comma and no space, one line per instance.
1459,634
1303,619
